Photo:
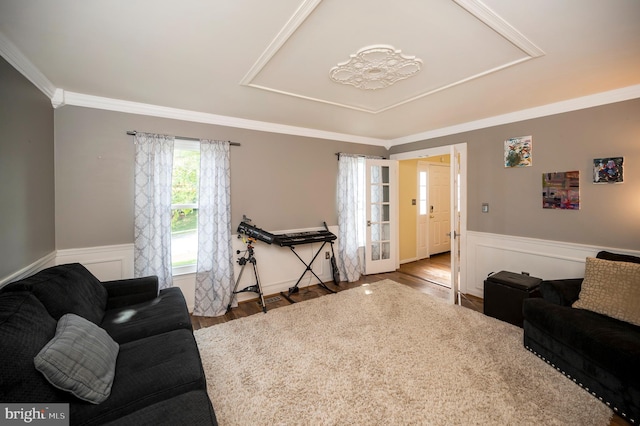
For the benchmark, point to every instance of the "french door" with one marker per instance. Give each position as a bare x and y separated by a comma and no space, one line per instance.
458,212
381,252
458,202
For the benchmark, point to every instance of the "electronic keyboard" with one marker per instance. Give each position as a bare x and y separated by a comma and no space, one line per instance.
287,240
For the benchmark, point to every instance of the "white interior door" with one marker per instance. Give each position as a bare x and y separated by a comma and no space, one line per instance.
439,208
382,216
458,205
422,238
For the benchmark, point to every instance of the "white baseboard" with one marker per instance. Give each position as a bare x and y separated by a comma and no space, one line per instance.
487,253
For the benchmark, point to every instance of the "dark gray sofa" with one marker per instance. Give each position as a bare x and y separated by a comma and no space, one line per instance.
600,353
158,377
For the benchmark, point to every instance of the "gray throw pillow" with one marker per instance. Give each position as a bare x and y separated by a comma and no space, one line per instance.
81,359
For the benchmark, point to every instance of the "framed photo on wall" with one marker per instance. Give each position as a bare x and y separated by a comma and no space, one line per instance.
518,152
608,170
561,190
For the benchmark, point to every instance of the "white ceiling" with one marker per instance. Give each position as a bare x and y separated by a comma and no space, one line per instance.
265,64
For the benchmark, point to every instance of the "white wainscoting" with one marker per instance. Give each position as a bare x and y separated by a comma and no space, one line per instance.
278,268
487,253
105,262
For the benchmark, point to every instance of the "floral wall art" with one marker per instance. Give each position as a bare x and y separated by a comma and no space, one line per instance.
517,152
607,170
561,190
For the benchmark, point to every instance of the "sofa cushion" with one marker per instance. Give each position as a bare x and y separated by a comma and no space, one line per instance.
148,370
192,408
64,289
25,327
130,291
80,359
561,292
611,288
164,313
607,255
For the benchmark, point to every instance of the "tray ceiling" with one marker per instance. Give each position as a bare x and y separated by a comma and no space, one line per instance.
456,41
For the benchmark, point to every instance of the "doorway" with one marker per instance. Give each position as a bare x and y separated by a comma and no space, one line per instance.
457,214
432,261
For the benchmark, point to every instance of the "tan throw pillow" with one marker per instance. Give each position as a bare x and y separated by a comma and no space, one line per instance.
611,288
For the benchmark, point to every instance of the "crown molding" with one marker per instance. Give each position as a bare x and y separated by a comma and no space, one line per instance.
78,99
60,97
57,100
11,54
602,98
89,101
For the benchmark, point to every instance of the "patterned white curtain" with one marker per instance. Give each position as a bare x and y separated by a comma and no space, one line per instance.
214,277
152,207
351,216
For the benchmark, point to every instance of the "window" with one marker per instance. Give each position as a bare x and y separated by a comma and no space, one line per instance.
184,206
422,184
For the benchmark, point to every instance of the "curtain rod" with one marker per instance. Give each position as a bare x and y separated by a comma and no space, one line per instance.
135,132
360,155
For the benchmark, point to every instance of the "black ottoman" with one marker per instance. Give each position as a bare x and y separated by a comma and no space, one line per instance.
504,293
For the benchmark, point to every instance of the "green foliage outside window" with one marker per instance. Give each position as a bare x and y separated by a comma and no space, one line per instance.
186,165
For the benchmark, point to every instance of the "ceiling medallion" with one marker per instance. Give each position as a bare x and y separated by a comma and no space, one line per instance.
375,67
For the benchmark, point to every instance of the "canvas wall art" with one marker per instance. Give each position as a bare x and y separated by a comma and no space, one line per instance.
518,152
608,170
561,190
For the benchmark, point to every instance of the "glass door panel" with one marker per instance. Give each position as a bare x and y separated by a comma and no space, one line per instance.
380,254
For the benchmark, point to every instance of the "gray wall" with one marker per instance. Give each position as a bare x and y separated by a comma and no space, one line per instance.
279,181
609,215
26,172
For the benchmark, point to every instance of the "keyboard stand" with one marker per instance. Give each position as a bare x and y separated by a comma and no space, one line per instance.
295,288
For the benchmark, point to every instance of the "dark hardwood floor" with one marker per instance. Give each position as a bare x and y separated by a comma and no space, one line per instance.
418,275
431,276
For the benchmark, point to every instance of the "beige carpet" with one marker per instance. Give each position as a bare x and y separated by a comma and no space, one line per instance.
384,354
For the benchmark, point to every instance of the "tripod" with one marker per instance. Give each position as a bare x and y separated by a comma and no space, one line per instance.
248,257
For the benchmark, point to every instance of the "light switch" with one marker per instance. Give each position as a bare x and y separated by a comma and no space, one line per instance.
485,207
